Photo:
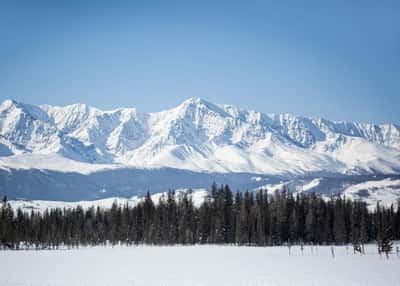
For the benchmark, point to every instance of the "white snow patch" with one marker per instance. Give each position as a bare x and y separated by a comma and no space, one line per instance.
311,185
257,179
386,192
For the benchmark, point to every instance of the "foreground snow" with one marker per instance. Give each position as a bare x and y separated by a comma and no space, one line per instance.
197,265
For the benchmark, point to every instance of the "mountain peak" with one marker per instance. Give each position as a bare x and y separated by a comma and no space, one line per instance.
8,103
196,101
195,105
11,105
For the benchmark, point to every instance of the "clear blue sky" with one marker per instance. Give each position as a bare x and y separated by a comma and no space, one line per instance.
335,59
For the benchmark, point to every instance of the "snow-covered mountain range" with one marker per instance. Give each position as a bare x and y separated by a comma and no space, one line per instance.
78,152
196,135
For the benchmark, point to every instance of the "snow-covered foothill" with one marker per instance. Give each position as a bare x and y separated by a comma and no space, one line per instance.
385,192
196,195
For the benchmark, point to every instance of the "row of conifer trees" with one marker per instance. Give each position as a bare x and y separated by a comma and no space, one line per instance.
243,218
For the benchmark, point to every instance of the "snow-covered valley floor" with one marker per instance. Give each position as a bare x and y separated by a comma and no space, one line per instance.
197,266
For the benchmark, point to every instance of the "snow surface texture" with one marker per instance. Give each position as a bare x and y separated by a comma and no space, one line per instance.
197,135
198,266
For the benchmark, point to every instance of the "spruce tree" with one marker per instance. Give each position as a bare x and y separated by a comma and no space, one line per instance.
385,244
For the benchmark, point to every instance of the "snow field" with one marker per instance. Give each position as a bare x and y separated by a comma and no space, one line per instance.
198,266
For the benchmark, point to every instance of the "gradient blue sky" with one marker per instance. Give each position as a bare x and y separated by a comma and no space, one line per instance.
335,59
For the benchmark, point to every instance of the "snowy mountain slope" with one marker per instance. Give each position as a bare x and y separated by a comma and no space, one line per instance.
112,132
308,131
197,135
28,129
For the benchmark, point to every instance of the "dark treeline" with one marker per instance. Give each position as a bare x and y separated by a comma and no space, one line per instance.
246,218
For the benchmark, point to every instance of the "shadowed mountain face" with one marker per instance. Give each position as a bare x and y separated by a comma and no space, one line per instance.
79,152
72,186
37,184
